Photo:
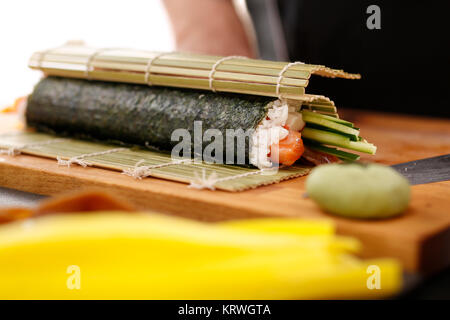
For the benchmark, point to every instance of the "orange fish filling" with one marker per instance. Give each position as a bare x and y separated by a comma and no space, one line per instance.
288,150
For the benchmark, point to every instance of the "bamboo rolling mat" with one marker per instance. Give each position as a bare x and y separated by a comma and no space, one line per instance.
187,70
140,163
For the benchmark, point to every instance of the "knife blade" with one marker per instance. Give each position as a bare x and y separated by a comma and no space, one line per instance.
425,170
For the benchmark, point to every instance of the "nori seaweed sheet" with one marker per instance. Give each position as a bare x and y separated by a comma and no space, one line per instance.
137,114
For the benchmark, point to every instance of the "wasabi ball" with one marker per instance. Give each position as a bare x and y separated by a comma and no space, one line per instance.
359,190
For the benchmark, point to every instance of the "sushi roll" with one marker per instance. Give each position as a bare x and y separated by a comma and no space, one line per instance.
148,116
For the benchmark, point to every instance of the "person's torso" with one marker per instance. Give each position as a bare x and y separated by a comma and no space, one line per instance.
403,64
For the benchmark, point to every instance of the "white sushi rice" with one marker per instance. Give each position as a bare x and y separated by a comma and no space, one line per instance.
271,130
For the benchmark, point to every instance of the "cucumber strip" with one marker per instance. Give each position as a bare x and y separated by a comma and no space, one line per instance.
362,147
320,121
338,140
325,137
319,127
342,155
330,118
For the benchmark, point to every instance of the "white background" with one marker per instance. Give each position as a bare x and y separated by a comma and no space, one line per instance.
28,26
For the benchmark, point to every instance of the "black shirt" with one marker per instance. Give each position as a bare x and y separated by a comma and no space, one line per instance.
404,65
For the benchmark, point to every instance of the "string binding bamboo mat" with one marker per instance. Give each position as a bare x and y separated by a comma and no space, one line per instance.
140,163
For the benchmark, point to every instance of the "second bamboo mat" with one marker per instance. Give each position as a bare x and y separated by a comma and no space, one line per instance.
143,163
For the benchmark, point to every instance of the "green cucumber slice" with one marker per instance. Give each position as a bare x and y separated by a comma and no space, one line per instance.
330,118
362,147
320,121
342,155
338,140
325,137
319,127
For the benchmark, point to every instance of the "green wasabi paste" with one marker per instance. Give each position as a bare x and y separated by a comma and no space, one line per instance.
359,191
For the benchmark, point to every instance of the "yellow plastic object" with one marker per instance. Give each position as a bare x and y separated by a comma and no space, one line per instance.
309,229
113,255
284,226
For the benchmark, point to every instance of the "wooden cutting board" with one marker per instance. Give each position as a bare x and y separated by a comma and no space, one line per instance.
420,238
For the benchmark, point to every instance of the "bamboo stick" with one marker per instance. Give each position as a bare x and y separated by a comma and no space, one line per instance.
101,62
139,56
135,56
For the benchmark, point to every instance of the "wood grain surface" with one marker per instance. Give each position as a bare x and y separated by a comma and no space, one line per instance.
420,238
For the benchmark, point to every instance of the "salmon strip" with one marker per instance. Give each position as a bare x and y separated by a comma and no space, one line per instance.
288,150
